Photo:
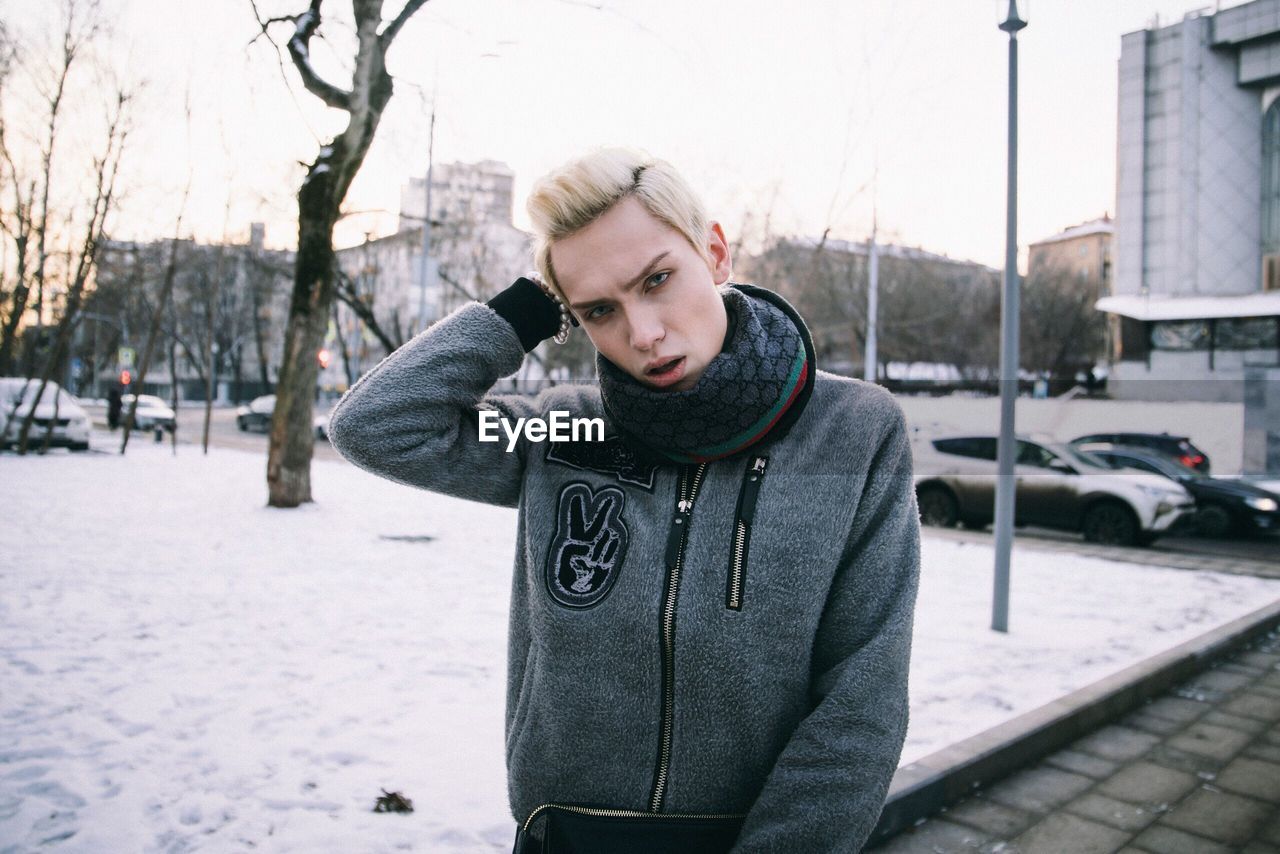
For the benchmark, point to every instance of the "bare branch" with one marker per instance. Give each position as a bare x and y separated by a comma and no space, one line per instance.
393,29
305,26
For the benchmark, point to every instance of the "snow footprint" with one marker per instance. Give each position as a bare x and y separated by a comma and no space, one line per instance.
55,793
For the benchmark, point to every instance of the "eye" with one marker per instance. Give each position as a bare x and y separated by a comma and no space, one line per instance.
597,312
657,279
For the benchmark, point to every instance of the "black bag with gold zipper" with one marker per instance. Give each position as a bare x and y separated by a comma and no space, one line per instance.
577,829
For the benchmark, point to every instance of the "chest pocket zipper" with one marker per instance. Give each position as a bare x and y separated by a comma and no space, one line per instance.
743,517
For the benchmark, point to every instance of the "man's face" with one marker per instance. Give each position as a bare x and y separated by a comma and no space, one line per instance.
646,298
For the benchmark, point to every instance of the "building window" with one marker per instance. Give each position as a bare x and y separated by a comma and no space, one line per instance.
1180,335
1271,180
1246,333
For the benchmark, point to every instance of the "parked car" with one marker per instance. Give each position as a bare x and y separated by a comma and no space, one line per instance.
1057,487
58,411
1222,505
1178,447
256,415
152,412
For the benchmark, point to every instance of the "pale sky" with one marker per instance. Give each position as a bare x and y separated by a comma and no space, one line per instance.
785,110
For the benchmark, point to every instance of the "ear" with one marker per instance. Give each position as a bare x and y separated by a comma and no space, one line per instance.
718,257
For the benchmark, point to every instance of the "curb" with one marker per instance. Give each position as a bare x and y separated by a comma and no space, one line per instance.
936,781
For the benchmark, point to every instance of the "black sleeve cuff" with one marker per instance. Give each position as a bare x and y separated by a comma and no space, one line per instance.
534,315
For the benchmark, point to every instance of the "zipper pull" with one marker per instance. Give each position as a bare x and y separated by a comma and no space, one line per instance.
675,539
679,523
758,466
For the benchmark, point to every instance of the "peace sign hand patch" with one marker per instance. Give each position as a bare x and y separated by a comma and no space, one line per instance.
588,546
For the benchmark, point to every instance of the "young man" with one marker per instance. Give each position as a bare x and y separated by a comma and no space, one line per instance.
711,608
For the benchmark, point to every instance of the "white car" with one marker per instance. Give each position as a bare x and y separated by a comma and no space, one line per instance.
58,411
256,415
1056,486
152,412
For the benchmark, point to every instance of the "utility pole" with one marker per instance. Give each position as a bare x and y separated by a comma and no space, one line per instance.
425,272
1006,447
871,359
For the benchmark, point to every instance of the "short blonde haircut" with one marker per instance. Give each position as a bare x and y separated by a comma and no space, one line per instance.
578,193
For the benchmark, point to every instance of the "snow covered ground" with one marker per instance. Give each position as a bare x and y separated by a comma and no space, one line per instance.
183,668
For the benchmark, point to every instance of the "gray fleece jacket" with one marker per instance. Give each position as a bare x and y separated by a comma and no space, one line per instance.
744,653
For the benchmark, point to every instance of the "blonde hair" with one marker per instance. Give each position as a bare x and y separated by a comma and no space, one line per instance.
578,193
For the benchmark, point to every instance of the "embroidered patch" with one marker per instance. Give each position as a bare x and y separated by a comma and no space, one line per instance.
588,546
612,456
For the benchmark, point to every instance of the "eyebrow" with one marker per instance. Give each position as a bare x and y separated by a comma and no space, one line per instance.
649,268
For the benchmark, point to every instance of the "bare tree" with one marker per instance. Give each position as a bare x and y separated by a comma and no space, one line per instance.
28,223
358,294
931,309
162,305
106,170
319,202
1061,332
263,271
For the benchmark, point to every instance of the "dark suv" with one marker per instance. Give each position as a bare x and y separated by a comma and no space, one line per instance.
1223,505
1178,447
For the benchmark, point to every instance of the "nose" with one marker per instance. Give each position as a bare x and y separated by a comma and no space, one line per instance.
647,329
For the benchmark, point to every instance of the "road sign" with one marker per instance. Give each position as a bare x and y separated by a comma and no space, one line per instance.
125,357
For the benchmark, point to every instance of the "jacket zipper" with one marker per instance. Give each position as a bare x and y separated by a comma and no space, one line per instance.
608,813
742,530
676,539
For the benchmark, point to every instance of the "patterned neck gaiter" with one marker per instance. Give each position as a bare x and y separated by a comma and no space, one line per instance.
739,398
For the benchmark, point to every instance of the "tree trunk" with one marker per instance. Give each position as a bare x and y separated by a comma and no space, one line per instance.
9,334
292,440
211,306
237,381
259,340
173,392
319,203
342,348
153,333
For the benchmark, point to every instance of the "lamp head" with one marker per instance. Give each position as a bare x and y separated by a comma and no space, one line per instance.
1016,16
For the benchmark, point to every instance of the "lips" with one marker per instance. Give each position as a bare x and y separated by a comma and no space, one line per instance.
665,373
660,367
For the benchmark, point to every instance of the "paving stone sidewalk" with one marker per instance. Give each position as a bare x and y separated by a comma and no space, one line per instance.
1196,771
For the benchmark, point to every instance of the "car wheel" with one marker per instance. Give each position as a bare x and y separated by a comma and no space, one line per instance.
938,506
80,446
1213,520
243,425
1110,523
974,524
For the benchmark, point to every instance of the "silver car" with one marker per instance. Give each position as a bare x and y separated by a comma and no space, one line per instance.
152,412
1056,487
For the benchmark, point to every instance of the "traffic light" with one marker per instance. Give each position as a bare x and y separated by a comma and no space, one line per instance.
323,357
125,377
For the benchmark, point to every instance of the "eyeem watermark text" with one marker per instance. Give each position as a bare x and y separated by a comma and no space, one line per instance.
559,427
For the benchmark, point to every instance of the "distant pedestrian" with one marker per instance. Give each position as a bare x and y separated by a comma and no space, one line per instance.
113,407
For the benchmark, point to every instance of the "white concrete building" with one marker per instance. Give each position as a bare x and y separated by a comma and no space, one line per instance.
1197,245
474,252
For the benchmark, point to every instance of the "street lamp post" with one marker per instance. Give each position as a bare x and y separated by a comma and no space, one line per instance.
425,273
1007,447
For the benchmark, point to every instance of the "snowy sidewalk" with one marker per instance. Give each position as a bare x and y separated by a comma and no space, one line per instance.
186,669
